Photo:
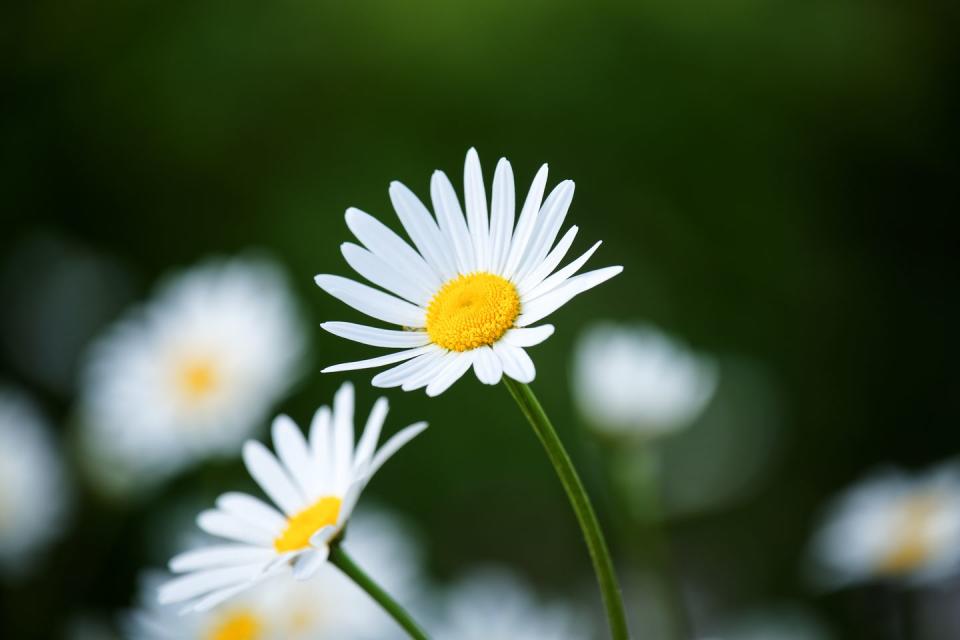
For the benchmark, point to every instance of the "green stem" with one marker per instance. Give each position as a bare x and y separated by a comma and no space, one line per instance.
340,559
599,554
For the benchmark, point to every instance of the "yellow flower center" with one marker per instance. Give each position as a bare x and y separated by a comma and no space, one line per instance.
197,378
912,545
471,311
303,525
242,625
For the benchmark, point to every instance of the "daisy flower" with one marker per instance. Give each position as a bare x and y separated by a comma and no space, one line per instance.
33,489
314,484
636,380
191,373
893,527
472,289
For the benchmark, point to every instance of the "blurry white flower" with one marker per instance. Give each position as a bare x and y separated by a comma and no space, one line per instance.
492,604
470,291
315,484
893,526
33,488
327,607
191,373
635,380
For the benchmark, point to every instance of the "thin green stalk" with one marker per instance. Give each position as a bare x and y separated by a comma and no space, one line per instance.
340,559
599,554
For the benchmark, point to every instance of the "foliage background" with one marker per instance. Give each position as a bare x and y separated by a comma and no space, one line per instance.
777,178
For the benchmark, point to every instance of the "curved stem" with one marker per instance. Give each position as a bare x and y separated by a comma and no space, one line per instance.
340,559
599,554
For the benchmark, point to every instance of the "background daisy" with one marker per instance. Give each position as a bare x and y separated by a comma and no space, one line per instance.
191,373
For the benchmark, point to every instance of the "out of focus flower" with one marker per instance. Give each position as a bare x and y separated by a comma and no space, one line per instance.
893,527
33,488
469,293
634,380
191,373
315,484
327,607
492,604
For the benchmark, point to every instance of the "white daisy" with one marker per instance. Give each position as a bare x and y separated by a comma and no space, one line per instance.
33,490
492,604
329,606
893,527
315,483
191,373
473,287
636,380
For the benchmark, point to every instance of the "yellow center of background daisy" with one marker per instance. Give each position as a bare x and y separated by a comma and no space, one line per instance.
303,525
471,311
911,545
242,625
197,378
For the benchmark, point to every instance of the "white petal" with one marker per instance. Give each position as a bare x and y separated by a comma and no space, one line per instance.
529,336
321,450
422,229
372,302
379,361
377,337
383,242
384,275
547,304
399,374
487,365
371,432
350,499
199,583
475,199
393,445
516,363
560,277
452,223
252,511
526,223
502,209
271,477
429,372
321,538
218,556
223,525
343,402
549,263
293,451
216,597
548,225
450,374
308,563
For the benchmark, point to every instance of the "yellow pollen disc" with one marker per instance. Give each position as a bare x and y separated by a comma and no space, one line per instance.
912,546
471,311
197,378
239,626
303,525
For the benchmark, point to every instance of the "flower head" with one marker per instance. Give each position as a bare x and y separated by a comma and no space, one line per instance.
191,373
314,483
470,291
893,527
636,380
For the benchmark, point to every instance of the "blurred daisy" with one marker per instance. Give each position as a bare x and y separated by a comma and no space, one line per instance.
192,372
491,604
329,606
636,380
894,527
470,292
33,489
314,483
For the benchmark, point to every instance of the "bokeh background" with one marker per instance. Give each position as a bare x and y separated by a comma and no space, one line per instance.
778,180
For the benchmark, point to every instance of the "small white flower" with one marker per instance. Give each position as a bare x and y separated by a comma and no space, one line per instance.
893,527
191,373
314,483
33,489
470,291
492,604
327,606
636,380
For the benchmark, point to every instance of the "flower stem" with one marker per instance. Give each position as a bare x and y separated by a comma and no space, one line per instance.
599,554
340,559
